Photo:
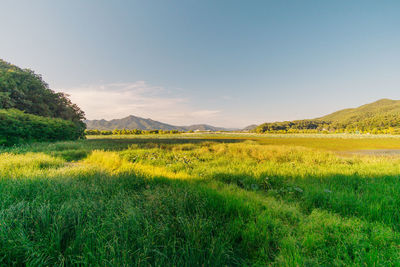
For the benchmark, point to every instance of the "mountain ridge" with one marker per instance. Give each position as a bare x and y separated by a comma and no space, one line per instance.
381,116
133,122
383,105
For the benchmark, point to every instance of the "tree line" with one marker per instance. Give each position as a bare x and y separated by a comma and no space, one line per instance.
131,132
388,124
18,127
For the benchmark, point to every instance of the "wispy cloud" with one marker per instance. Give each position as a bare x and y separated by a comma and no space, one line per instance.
205,113
117,100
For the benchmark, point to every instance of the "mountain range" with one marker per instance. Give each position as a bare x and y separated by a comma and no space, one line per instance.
381,114
133,122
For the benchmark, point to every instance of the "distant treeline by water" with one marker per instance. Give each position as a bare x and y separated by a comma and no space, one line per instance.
131,132
309,126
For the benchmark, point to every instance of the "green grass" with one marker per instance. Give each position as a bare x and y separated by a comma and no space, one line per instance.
201,200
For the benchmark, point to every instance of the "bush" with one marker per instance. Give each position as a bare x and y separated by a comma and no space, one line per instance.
18,127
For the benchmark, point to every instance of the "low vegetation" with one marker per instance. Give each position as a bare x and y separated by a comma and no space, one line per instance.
200,201
19,127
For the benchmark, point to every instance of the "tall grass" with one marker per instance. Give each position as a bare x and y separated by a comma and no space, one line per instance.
196,202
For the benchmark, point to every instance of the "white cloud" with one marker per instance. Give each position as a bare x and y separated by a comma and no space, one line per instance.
118,100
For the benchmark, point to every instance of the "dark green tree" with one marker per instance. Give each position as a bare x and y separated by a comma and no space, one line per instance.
25,90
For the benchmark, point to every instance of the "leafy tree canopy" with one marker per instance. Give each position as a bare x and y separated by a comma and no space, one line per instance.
25,90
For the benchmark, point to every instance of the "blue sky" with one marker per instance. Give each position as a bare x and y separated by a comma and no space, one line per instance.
223,62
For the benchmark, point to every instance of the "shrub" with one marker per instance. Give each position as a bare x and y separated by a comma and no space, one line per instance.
18,127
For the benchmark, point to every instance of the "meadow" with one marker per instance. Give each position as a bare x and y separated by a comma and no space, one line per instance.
202,200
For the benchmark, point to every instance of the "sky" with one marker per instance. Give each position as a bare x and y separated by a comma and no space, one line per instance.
222,62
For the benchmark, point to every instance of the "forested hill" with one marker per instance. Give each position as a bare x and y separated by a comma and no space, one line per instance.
382,116
30,111
133,122
25,90
381,109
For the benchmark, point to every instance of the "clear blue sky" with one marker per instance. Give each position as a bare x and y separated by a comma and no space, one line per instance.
224,62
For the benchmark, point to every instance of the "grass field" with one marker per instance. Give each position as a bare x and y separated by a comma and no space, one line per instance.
201,200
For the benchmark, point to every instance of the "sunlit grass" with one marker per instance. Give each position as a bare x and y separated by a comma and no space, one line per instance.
291,201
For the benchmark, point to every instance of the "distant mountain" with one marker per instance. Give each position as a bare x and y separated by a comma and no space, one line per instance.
249,128
382,116
130,122
204,127
133,122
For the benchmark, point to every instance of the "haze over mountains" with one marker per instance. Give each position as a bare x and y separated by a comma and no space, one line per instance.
381,114
133,122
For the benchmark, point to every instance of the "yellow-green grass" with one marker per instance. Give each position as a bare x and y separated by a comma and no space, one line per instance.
200,200
336,142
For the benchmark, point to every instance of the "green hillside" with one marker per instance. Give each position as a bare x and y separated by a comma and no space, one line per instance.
382,116
378,109
31,111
